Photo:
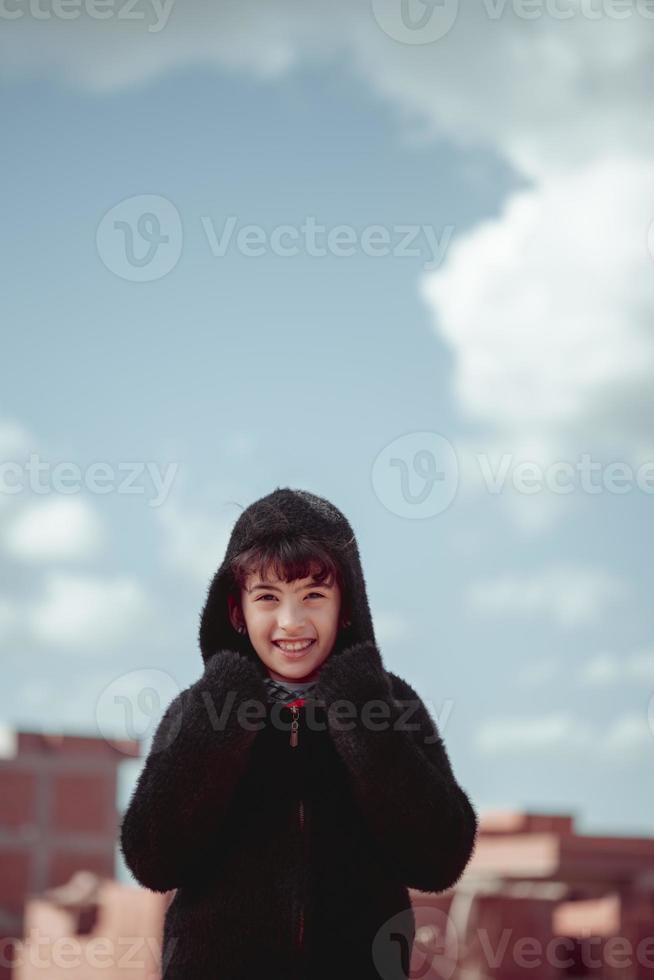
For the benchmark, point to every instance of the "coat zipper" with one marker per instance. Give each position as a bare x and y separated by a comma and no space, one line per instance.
300,937
295,710
294,724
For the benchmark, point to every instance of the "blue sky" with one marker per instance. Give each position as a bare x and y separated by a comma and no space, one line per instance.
522,618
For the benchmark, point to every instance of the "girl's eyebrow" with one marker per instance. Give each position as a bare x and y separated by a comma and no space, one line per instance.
300,588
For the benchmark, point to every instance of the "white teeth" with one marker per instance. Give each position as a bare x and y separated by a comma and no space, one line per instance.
294,646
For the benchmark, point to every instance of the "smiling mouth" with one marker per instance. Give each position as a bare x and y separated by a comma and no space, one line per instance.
294,648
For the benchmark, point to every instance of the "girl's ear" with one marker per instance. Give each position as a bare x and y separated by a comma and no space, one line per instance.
235,613
346,616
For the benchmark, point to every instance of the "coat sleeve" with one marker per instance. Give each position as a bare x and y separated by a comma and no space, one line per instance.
199,753
399,770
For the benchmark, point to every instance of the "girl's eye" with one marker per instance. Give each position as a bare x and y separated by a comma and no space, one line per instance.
269,595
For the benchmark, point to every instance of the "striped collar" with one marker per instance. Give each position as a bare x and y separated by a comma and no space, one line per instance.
285,692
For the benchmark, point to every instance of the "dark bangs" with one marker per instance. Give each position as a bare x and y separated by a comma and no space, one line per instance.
288,559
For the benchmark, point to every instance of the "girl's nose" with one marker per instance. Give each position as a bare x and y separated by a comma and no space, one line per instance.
291,619
291,625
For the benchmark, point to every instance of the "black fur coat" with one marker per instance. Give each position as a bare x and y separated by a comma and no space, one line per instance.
292,862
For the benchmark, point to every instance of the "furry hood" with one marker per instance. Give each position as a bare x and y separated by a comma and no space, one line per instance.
286,511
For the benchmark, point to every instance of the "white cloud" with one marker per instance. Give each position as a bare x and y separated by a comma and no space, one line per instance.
492,464
602,669
239,444
546,93
573,596
9,617
81,611
536,673
251,36
59,529
15,440
8,741
546,311
194,541
607,668
640,665
524,735
15,445
628,735
392,628
561,735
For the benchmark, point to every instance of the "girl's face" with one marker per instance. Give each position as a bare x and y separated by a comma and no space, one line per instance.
279,615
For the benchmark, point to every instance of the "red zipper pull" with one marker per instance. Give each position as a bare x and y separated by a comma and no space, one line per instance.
294,706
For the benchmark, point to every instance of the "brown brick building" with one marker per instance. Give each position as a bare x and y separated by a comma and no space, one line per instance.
57,816
537,900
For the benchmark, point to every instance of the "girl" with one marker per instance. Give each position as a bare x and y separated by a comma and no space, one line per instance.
295,792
